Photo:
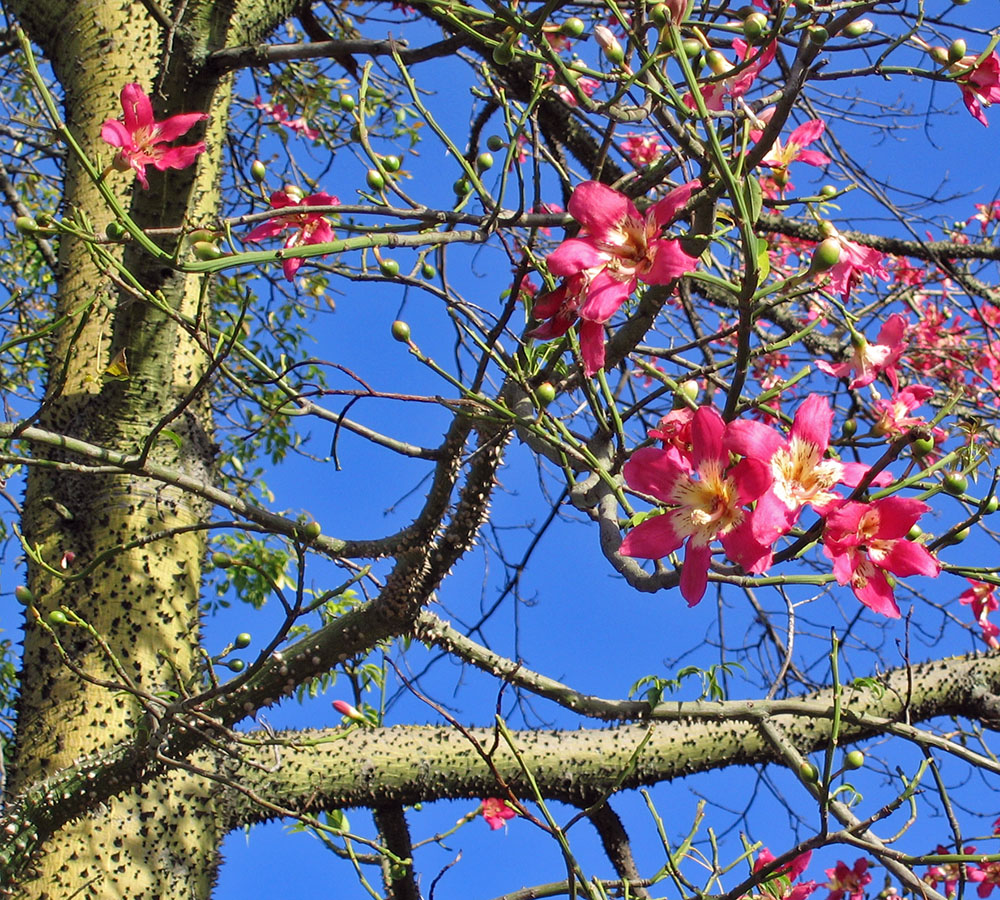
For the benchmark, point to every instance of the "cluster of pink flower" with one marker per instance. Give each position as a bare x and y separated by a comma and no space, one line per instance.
842,881
496,812
617,247
710,472
950,875
280,115
981,597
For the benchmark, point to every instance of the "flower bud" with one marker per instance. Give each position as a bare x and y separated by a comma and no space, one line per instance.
609,44
242,640
826,255
206,250
258,171
25,224
859,27
484,161
754,26
939,55
495,143
717,62
346,709
401,331
956,50
294,192
347,102
572,27
23,595
503,54
114,231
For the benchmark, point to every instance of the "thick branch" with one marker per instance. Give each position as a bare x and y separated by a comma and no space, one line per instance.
409,764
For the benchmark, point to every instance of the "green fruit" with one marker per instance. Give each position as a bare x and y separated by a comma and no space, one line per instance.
545,393
462,187
955,483
23,595
311,530
957,50
717,62
960,536
859,27
849,428
375,179
202,234
206,250
854,760
221,560
347,102
258,171
992,505
828,190
914,532
389,267
484,161
242,640
236,665
495,143
401,331
923,446
58,617
391,163
688,389
826,255
428,271
573,27
808,773
25,224
503,54
818,35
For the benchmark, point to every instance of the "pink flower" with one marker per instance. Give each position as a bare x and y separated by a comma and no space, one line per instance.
855,261
674,429
779,157
949,873
871,359
496,812
280,115
866,540
983,600
849,882
988,877
617,248
779,883
979,86
892,417
739,83
143,140
304,227
801,475
704,508
643,149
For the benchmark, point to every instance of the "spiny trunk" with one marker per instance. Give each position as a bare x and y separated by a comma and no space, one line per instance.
161,841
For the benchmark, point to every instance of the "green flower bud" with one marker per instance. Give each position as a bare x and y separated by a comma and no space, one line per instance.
375,179
859,27
25,224
503,54
391,163
206,250
58,617
826,255
347,102
221,560
808,773
545,393
401,331
955,483
484,161
956,50
242,640
23,595
854,760
572,28
428,271
495,143
389,267
258,171
236,665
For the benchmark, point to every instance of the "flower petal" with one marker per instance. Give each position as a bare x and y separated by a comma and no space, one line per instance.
656,472
652,539
138,111
600,209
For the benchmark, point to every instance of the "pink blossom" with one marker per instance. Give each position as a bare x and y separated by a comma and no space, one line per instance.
143,140
980,86
983,600
948,873
303,228
800,474
871,359
674,429
866,540
706,495
988,877
848,882
585,84
751,62
855,261
351,712
496,812
780,157
280,115
617,248
643,149
892,417
779,884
